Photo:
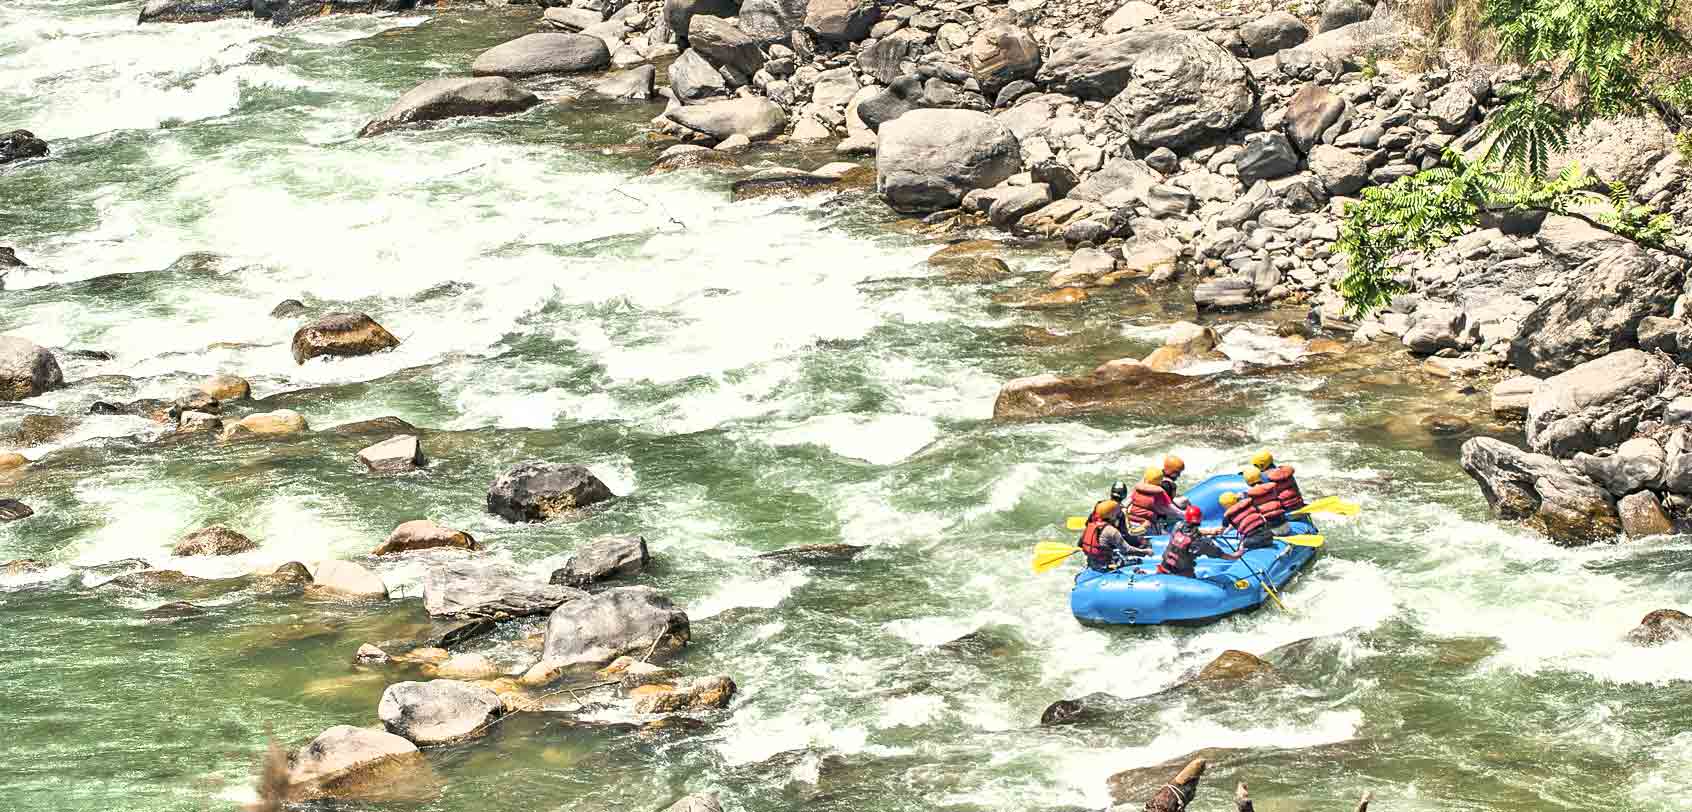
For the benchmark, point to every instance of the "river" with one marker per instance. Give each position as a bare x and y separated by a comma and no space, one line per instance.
749,376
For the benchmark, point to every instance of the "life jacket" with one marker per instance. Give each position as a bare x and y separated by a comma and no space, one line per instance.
1178,557
1244,518
1170,486
1099,556
1142,503
1262,497
1286,488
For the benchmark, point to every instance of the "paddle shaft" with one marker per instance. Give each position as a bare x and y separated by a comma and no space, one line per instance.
1268,589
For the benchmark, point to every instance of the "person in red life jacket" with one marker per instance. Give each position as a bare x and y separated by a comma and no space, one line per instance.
1105,546
1187,543
1261,495
1172,468
1281,476
1238,514
1149,505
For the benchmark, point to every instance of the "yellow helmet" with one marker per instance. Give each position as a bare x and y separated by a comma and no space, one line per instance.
1154,475
1263,459
1251,474
1228,499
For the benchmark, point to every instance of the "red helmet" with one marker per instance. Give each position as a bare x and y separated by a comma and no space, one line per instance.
1194,515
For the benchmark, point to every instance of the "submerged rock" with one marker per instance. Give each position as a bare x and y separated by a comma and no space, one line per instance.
1662,626
439,99
700,802
1233,665
341,335
287,309
26,370
1043,396
707,693
422,534
603,558
690,156
12,510
536,491
213,540
175,610
388,425
595,630
470,589
18,145
438,711
343,759
394,455
817,553
280,423
1565,505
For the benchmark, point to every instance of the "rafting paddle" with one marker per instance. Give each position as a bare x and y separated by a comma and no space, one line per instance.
1331,505
1049,554
1267,589
1303,541
1077,523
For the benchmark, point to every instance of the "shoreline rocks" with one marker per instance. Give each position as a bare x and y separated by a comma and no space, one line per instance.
542,54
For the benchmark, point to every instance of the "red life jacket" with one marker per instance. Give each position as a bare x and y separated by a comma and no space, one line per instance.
1262,496
1142,503
1286,488
1244,518
1098,556
1178,557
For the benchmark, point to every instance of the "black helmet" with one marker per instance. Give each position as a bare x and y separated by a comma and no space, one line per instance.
1119,490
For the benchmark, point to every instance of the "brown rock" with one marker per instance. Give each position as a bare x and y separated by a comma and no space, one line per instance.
213,540
12,510
422,534
1662,626
22,566
35,429
279,423
354,762
388,426
703,694
1062,297
290,578
227,387
1324,346
1042,396
1444,425
1165,359
341,335
1642,515
8,461
1234,665
698,158
817,553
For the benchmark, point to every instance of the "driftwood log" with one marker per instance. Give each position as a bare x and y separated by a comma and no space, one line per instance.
1175,795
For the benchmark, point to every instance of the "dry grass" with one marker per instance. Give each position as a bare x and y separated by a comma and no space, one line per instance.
1451,25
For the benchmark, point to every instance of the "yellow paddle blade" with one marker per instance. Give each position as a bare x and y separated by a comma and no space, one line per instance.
1274,597
1077,523
1304,541
1049,554
1331,505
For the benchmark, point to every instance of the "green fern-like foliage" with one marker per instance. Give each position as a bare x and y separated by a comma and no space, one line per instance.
1525,133
1606,49
1639,223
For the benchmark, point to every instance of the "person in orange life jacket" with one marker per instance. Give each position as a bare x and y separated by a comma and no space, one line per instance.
1187,542
1281,476
1105,546
1150,505
1238,514
1261,495
1172,468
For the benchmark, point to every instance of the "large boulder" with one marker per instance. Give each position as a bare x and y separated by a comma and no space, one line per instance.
394,455
344,758
598,629
1563,504
634,84
1618,150
1183,88
1099,68
1637,463
422,534
26,370
1002,53
841,21
693,79
1042,396
886,104
755,117
678,14
1661,626
1598,312
267,426
1596,404
1642,515
1273,33
543,53
344,579
213,540
603,558
1574,241
1311,112
723,43
438,711
439,99
499,591
537,491
928,159
772,20
1265,156
1341,13
20,144
341,335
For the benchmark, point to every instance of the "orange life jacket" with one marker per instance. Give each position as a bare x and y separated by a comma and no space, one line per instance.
1099,556
1262,497
1244,518
1286,488
1142,503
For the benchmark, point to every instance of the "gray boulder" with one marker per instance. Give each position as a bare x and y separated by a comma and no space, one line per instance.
439,99
1010,208
928,159
678,14
772,20
1099,68
537,491
394,455
1121,180
1341,13
1002,53
213,540
636,84
1642,515
1595,404
603,558
1265,156
600,628
543,53
345,756
755,117
1454,109
438,711
1341,171
1565,505
1510,398
1436,327
1598,312
701,802
1312,111
722,43
1182,89
841,21
884,59
1273,33
1637,464
897,99
693,79
1574,241
27,370
469,589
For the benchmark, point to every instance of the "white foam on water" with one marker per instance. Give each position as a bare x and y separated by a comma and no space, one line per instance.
878,439
755,735
915,710
749,591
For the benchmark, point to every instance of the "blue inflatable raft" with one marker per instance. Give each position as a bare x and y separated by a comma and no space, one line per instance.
1222,587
